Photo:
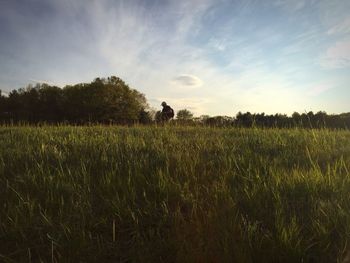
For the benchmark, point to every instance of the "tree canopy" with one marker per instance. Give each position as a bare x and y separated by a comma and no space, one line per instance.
184,115
108,100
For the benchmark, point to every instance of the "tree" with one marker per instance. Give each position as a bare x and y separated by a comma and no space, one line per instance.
184,115
103,100
145,117
245,119
108,100
3,105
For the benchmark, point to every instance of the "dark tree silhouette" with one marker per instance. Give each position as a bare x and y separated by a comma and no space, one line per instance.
108,100
184,115
111,100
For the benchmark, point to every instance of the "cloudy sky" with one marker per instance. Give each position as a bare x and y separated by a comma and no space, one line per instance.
213,57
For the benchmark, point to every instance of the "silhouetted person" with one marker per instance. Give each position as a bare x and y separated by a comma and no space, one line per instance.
167,112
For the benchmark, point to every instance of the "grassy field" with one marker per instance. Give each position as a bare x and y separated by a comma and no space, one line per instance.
165,194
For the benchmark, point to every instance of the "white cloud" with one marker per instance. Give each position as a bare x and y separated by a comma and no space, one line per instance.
187,80
337,56
318,89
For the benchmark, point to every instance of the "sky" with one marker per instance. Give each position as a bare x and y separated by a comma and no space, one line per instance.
215,57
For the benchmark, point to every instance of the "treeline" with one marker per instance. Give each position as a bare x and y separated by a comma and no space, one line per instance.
108,100
111,101
305,120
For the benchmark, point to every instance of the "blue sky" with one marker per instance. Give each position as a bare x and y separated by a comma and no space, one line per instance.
213,57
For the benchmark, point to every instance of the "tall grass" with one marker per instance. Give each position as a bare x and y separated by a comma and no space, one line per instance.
165,194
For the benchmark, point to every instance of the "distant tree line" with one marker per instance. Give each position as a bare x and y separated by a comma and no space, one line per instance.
111,101
305,120
108,100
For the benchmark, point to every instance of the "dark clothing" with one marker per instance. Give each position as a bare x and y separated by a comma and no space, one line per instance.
167,112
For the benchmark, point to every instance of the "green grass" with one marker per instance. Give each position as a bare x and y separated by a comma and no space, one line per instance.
148,194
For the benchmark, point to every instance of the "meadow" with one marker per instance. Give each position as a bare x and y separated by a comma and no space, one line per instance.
173,194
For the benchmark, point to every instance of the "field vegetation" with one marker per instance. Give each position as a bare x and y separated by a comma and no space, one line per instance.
173,194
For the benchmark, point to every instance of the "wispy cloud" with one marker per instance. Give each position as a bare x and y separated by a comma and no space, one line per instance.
42,81
337,56
318,89
291,5
244,55
343,27
218,44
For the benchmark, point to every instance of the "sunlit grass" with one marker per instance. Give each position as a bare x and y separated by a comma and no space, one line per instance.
183,194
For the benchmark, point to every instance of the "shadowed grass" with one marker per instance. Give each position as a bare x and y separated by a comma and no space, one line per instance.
153,194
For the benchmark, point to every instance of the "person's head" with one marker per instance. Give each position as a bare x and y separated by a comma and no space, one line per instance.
163,104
